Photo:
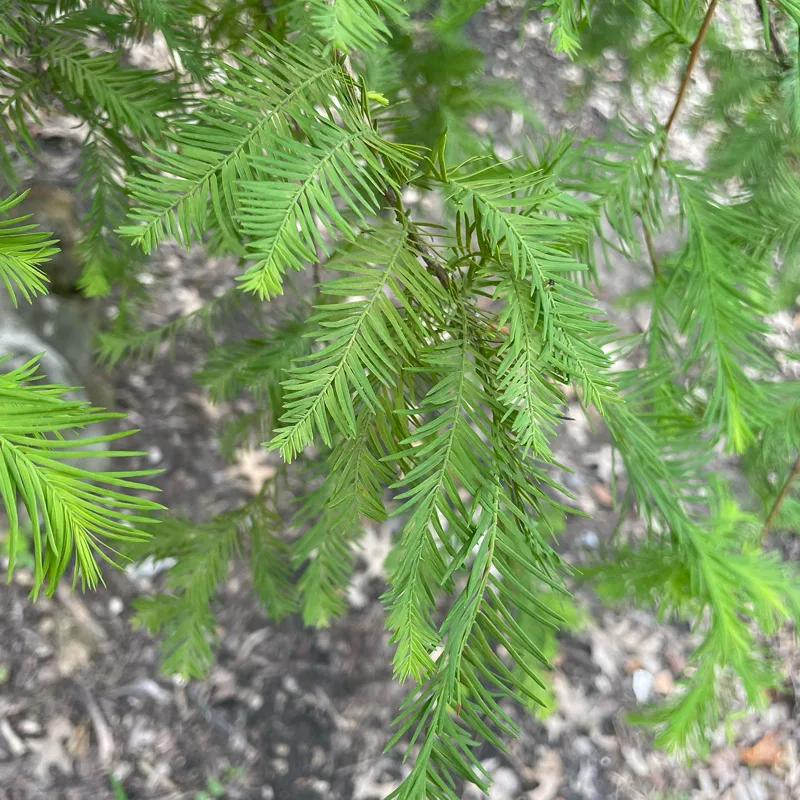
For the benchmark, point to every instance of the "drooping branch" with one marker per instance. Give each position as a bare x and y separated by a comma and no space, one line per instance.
687,76
778,502
676,107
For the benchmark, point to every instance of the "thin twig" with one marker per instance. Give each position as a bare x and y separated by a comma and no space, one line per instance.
776,505
693,54
651,250
105,741
414,240
395,202
676,107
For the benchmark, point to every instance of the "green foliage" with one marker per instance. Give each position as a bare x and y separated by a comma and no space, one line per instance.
121,97
22,250
214,150
351,490
354,24
545,637
736,585
428,374
363,340
723,321
183,614
77,516
770,462
566,17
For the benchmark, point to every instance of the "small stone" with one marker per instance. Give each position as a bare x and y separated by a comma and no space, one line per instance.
505,786
590,540
583,747
154,454
280,766
23,577
122,771
410,197
141,736
29,727
480,125
642,684
73,654
115,606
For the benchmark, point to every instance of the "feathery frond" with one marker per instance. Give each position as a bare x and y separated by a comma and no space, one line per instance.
183,615
519,224
363,339
193,184
130,99
354,24
256,365
351,491
23,248
286,213
77,516
105,258
444,717
521,374
723,319
124,341
19,96
437,359
566,17
444,453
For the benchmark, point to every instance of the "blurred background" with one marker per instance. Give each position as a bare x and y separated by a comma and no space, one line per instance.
304,714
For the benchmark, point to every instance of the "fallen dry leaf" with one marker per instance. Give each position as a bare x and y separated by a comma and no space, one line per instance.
252,469
663,682
766,752
549,775
78,744
75,646
51,751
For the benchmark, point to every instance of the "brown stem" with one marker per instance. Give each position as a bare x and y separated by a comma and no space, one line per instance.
693,54
651,250
776,506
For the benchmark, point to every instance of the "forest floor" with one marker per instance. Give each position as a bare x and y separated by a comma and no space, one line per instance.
296,714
